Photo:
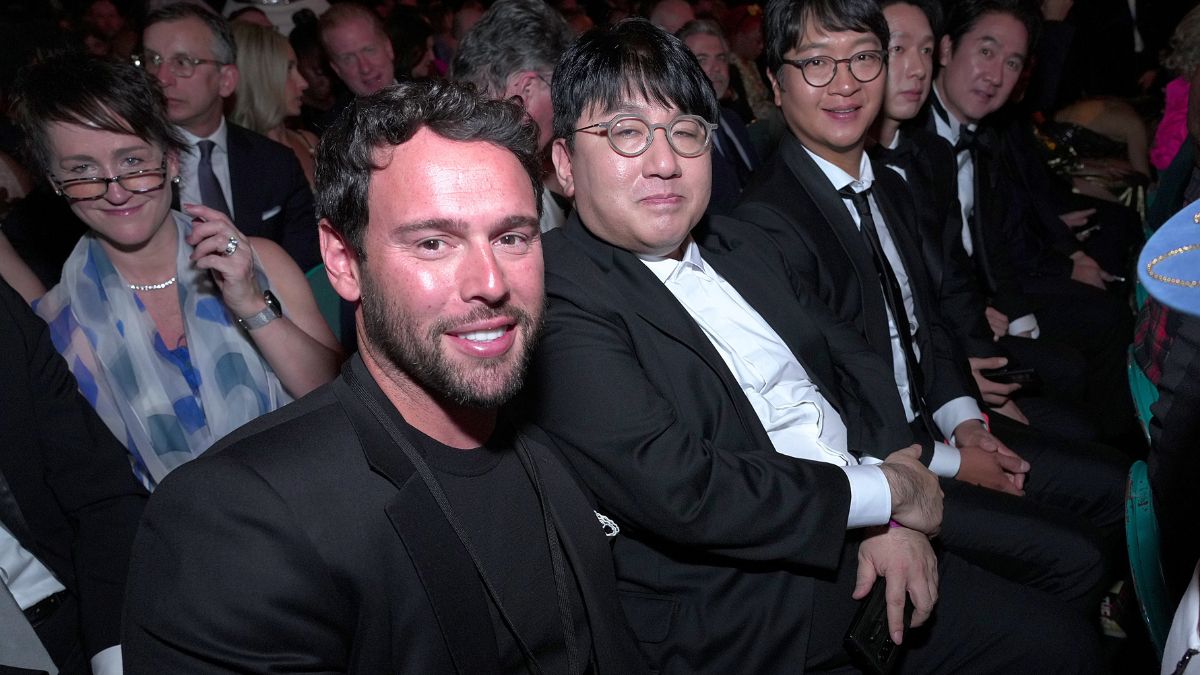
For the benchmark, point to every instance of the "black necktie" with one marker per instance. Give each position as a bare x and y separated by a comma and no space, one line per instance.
211,194
729,150
895,302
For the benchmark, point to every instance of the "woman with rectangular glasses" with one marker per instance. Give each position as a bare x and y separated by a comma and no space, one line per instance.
178,327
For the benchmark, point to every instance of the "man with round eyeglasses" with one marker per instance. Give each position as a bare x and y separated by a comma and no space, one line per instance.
255,181
718,414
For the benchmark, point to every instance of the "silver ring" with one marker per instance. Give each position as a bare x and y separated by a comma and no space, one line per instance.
231,247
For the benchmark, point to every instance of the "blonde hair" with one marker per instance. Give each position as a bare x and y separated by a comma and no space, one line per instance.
1184,56
262,61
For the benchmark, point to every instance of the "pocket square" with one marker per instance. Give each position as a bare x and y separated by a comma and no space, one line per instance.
271,213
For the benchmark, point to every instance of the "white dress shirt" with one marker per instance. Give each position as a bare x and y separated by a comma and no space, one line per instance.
797,417
189,186
950,130
946,458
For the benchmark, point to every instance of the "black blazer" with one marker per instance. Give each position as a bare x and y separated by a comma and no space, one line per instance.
793,203
271,197
305,542
1018,211
726,186
67,493
930,174
722,533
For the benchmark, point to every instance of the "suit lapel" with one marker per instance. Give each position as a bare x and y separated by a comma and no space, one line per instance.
441,562
245,207
654,304
761,288
833,211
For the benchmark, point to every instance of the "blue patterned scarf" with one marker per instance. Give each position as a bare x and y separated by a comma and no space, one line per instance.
167,406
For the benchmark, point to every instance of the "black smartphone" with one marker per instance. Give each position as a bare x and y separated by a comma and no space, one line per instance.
1027,377
868,640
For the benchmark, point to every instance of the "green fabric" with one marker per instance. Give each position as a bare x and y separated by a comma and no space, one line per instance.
328,301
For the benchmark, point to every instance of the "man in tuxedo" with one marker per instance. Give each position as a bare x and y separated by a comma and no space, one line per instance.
509,53
1039,275
845,228
728,425
926,163
69,506
255,180
395,520
733,157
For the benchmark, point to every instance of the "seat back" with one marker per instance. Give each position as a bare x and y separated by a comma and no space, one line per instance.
1145,563
1143,391
328,301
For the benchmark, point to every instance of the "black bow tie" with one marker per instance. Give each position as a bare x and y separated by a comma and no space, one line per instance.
900,156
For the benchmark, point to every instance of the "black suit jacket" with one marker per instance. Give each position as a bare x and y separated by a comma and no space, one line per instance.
67,493
1016,204
726,185
793,203
724,534
306,542
930,173
271,197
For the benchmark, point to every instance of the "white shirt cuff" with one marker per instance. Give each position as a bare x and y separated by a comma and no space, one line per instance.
955,412
108,661
870,496
1024,324
946,460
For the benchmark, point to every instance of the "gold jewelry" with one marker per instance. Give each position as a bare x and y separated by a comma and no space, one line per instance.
1172,280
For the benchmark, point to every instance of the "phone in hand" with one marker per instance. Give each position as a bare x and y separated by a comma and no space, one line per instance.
868,641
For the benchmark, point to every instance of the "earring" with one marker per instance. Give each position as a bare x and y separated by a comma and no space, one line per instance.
175,180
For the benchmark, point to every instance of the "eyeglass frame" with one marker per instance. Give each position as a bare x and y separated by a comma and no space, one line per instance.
709,127
798,64
140,61
60,186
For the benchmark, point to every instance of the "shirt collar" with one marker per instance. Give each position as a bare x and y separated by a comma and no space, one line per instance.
951,122
218,137
840,178
667,269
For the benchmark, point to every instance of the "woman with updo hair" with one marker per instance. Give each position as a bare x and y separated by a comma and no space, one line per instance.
270,90
177,326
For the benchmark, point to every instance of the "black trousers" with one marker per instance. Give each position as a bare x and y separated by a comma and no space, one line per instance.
1059,406
981,624
60,635
1100,325
1060,537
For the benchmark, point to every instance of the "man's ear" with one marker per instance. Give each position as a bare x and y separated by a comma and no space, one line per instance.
945,50
227,84
341,262
775,88
562,166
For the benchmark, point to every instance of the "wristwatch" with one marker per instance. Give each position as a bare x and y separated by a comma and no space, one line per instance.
266,316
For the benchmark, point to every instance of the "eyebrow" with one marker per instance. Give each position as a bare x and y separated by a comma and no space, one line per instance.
116,153
993,41
809,46
458,227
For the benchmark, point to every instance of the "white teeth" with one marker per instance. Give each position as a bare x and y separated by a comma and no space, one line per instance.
483,335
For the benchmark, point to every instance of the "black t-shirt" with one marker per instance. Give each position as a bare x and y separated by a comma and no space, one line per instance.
494,497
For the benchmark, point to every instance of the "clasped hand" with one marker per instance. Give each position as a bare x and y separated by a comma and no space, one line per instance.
906,560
